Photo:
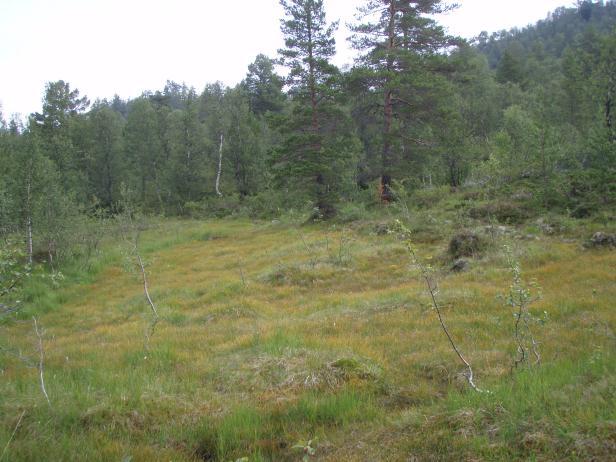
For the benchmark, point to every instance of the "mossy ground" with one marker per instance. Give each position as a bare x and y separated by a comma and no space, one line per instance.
274,333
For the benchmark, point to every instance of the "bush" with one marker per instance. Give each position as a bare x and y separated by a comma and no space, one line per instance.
265,205
429,197
213,207
465,244
502,211
353,211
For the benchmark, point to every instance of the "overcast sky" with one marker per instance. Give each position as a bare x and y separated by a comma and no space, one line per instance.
104,47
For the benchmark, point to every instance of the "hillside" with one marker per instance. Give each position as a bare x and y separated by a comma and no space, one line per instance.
550,37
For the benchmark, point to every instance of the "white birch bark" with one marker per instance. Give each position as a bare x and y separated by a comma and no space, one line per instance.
219,166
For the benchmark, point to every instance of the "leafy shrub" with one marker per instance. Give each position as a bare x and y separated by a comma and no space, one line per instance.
266,204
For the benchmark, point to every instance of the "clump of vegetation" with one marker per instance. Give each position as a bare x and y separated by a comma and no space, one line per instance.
502,211
466,244
13,271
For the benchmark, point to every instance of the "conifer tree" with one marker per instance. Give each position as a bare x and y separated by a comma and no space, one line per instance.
306,155
56,123
106,165
145,152
187,144
396,40
263,86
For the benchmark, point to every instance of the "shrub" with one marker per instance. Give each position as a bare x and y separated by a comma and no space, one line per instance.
502,211
351,212
465,244
429,197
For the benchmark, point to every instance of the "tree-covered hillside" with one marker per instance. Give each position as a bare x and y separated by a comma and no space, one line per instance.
549,37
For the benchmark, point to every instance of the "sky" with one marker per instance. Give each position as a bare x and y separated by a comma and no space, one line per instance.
125,47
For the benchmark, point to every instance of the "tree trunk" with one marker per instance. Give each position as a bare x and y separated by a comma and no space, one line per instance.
608,111
219,166
29,245
29,239
388,111
322,203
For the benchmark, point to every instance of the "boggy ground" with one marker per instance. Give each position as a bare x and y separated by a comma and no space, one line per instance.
273,335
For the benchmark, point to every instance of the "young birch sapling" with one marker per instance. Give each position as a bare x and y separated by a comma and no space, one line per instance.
520,297
427,274
131,228
30,362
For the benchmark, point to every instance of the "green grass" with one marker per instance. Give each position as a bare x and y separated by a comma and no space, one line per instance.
271,335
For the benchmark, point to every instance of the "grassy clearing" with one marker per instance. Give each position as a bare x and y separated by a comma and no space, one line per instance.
273,333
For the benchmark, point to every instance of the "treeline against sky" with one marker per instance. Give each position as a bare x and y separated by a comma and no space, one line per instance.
530,109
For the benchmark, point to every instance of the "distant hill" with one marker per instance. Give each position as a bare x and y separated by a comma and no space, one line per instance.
550,37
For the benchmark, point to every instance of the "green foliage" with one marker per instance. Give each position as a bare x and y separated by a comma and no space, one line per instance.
262,434
520,297
510,68
263,86
13,269
317,140
106,168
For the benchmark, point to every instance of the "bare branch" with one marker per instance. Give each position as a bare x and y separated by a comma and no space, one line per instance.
17,354
433,291
12,435
520,298
133,240
145,285
41,359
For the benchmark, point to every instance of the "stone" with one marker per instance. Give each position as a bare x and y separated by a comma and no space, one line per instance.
600,239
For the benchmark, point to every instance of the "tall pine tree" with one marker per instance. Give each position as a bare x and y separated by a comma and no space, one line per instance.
306,155
396,40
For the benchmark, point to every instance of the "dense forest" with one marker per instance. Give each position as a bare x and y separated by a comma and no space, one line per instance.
524,115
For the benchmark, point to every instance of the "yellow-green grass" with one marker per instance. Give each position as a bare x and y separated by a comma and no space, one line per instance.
271,334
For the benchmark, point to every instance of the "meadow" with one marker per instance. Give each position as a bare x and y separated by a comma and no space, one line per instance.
279,340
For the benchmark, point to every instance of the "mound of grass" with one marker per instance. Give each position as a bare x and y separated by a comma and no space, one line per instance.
263,435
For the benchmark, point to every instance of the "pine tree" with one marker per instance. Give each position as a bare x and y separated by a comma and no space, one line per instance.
395,45
306,155
145,153
511,67
244,144
61,108
187,143
263,86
